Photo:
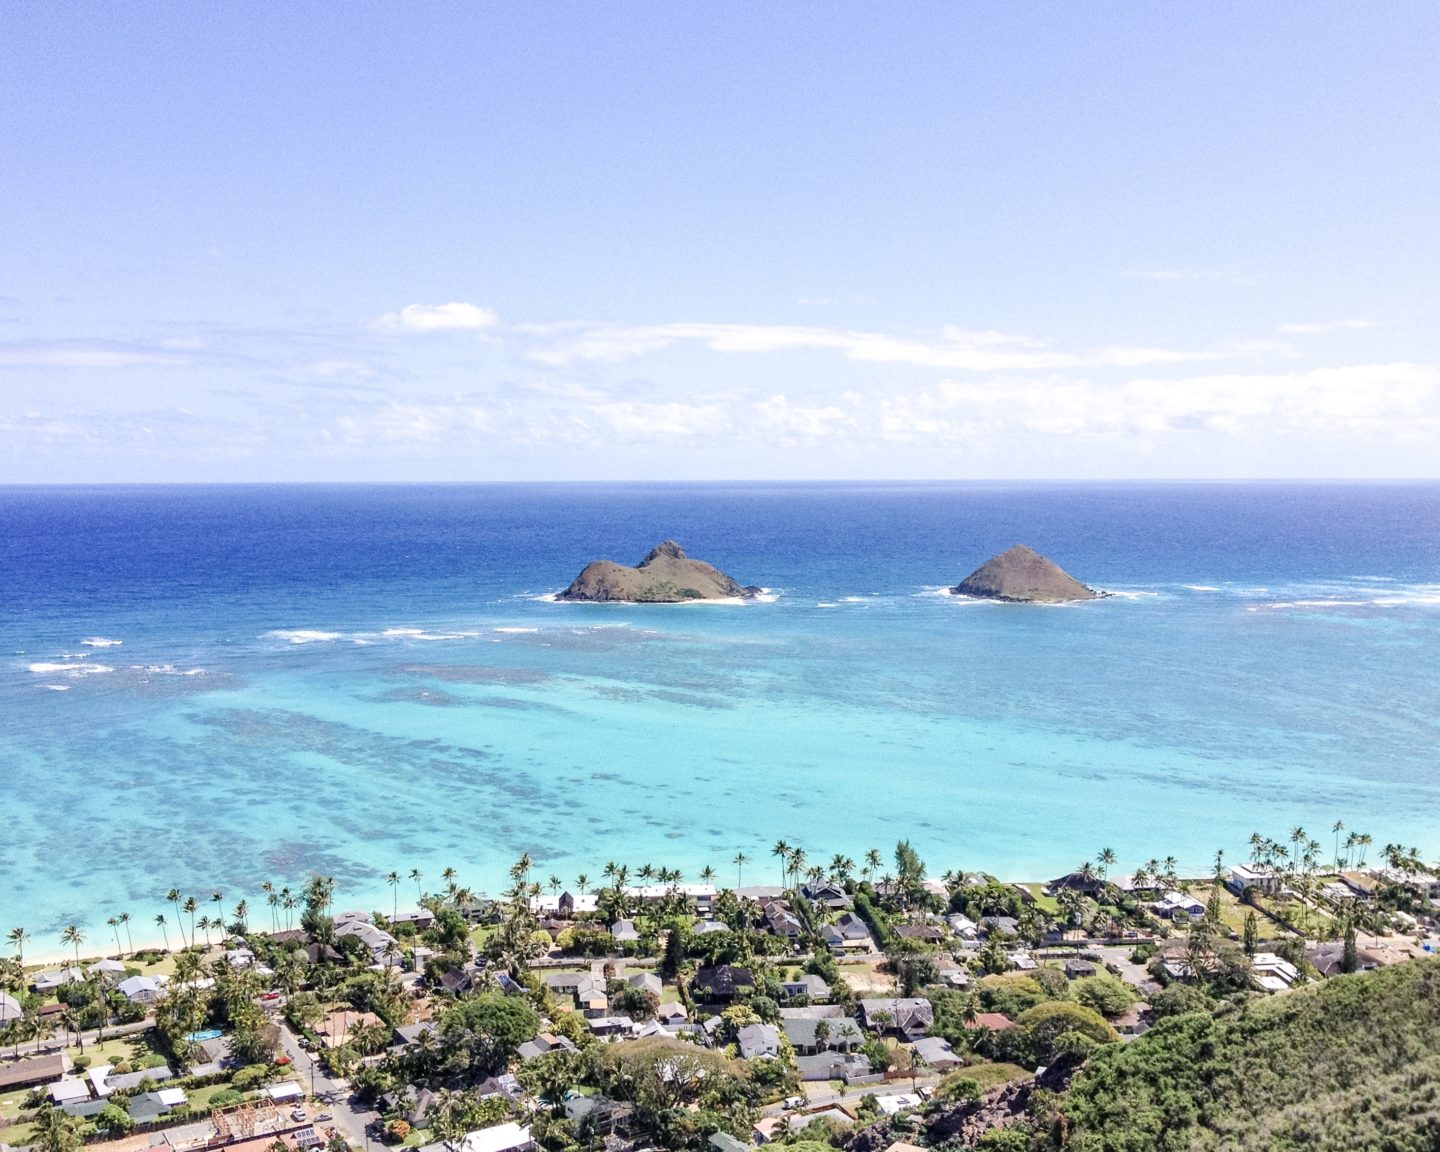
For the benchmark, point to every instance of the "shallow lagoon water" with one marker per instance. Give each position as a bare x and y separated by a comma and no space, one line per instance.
359,679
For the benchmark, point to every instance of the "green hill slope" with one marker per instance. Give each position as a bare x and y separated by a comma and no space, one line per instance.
1352,1064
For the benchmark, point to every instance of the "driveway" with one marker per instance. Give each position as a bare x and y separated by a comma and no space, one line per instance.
334,1095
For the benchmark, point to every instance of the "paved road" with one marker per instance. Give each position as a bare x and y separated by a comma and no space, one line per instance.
350,1119
61,1041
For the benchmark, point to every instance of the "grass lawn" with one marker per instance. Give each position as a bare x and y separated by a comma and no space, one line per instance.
201,1097
112,1051
418,1138
988,1076
1045,903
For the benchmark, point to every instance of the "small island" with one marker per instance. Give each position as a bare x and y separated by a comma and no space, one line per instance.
1020,575
665,576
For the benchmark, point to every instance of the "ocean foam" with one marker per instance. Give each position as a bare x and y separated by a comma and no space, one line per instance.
1201,587
49,668
101,642
516,631
57,687
303,635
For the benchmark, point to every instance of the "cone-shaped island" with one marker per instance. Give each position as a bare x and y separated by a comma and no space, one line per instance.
666,576
1020,575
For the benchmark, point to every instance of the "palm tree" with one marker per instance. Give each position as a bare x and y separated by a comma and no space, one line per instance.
740,861
873,863
448,875
217,920
416,875
160,923
287,899
114,925
19,937
707,875
554,884
393,879
124,919
73,935
173,896
582,882
1106,860
1364,840
782,850
268,888
190,906
205,927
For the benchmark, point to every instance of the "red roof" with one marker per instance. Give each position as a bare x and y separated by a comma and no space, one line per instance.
995,1021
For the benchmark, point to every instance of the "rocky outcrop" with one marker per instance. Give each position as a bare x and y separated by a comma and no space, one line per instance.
1021,575
665,576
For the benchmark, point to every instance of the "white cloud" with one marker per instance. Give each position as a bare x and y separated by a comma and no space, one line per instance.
673,421
440,317
83,354
954,349
792,422
1329,326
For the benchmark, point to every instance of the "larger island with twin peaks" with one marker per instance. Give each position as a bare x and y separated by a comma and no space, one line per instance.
665,576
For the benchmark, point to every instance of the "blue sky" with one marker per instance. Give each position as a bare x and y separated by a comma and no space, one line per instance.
739,240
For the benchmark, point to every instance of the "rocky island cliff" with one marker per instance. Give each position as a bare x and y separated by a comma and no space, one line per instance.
665,576
1020,575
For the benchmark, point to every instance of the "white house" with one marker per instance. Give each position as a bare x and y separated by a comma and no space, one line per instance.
143,989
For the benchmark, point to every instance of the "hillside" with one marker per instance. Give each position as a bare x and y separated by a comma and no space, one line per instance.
1352,1064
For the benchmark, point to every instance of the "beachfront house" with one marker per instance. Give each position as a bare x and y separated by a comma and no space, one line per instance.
50,980
508,1137
1261,877
782,922
9,1008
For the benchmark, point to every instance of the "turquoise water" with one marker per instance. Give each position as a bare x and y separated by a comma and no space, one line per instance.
355,680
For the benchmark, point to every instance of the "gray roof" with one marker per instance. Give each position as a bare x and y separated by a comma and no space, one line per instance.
129,1081
801,1032
758,1040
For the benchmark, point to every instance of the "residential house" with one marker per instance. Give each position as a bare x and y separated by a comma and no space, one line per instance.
920,933
1329,958
722,983
700,897
705,927
647,982
1022,961
757,1040
150,1106
760,893
828,894
993,1021
69,1090
143,989
809,1039
611,1025
782,922
408,1034
420,918
909,1016
624,932
508,1137
671,1013
999,926
809,985
1076,969
49,981
1261,877
724,1142
1273,973
376,939
953,975
1134,1020
1083,881
850,1067
9,1008
1425,882
543,1045
107,970
1179,907
566,906
936,1053
32,1071
962,926
129,1081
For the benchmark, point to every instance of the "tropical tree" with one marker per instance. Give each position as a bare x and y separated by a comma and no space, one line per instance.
55,1131
73,935
393,879
1106,860
740,861
190,907
873,863
164,932
782,850
18,937
114,924
124,919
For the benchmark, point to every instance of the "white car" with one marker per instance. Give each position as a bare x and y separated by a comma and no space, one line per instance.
790,1103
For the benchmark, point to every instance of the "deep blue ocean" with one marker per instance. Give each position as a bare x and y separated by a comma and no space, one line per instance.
208,687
